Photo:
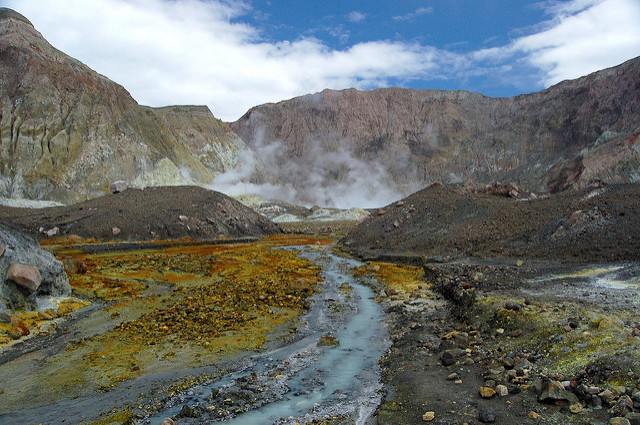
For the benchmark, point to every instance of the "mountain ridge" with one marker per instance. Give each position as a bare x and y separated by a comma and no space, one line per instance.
539,140
66,131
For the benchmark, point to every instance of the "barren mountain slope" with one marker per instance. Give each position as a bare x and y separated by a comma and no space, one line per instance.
66,132
586,226
138,215
569,134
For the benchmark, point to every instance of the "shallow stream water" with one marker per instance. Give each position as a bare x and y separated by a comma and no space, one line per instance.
303,381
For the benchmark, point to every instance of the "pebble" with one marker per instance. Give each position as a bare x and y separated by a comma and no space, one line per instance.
429,416
486,417
447,359
486,392
619,421
533,415
575,408
502,390
608,397
453,377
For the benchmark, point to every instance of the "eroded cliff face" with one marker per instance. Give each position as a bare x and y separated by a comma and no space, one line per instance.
568,135
66,132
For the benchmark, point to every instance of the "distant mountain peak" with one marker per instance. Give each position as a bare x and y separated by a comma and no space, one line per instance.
6,13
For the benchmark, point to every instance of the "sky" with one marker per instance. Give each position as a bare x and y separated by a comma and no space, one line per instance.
231,55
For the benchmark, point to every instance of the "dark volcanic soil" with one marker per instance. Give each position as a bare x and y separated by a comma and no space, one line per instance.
170,212
596,225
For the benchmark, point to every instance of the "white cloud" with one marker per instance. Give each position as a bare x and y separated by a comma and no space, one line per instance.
356,16
191,51
199,52
421,11
584,36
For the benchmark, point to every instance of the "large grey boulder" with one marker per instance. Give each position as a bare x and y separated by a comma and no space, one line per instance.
18,248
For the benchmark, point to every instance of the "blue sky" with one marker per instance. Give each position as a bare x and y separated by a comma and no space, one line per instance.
231,55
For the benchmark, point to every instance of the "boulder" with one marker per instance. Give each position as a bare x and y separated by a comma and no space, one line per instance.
24,250
25,276
118,186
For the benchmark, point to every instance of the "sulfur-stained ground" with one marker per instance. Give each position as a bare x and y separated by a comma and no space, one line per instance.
151,312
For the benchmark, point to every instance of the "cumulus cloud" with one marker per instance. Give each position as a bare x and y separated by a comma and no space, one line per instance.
200,52
583,36
191,51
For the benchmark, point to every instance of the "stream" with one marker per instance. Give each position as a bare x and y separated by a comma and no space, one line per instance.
304,380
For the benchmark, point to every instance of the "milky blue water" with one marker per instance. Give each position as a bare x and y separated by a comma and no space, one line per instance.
319,381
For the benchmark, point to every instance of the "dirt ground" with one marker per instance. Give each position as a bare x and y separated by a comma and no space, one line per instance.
527,297
532,302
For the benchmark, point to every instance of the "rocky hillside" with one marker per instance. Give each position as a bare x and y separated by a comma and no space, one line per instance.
572,133
66,132
595,225
168,212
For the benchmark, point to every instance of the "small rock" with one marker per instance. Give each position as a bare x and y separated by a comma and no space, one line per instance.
633,418
447,359
593,390
619,421
486,417
619,389
24,275
429,416
486,392
118,186
575,408
533,415
453,377
115,230
183,218
502,390
168,421
499,331
396,223
608,397
553,391
623,406
75,266
328,341
52,232
519,263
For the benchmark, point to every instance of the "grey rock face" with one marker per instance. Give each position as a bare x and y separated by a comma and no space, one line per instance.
67,132
22,249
